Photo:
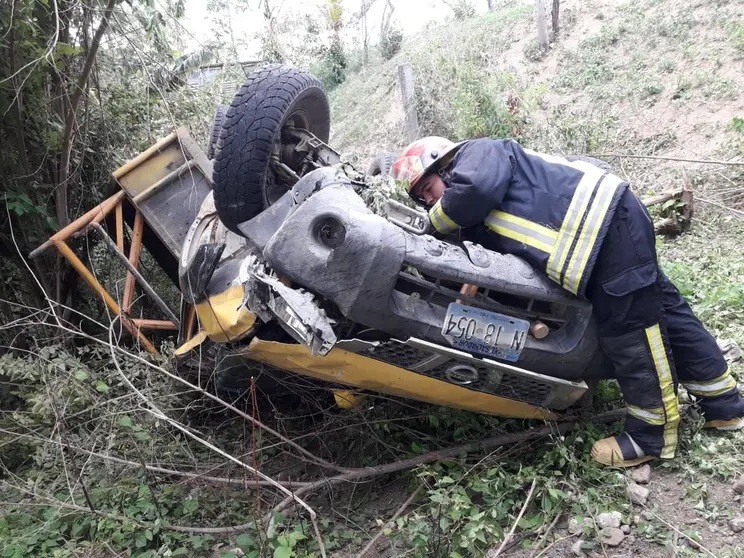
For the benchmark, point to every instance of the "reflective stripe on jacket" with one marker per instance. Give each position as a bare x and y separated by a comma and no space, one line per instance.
551,211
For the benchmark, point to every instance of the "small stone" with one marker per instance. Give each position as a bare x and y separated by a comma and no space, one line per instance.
647,515
730,541
611,536
642,474
574,527
636,520
576,548
625,529
737,498
739,486
737,524
609,519
638,494
692,521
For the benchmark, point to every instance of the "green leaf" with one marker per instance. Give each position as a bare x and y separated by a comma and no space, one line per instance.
101,386
282,552
245,542
182,551
65,49
125,421
81,375
142,436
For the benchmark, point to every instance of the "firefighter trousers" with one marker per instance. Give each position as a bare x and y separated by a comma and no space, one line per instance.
653,338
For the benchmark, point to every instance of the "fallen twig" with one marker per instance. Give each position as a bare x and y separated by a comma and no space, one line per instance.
481,445
551,545
391,521
722,206
519,517
157,413
663,158
545,535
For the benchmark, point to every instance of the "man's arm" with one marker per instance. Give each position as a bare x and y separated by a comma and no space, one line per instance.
481,173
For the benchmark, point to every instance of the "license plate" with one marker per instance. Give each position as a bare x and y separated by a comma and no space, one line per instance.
487,333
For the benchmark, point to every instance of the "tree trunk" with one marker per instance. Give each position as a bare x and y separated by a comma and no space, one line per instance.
542,26
490,5
556,22
63,216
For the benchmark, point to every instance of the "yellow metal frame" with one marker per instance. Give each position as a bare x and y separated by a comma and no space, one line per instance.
350,369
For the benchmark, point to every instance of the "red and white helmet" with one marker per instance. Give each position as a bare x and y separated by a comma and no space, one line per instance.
422,157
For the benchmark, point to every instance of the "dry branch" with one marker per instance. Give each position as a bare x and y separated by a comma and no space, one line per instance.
519,517
472,447
391,521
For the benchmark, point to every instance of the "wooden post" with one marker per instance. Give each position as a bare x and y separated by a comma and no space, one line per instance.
408,96
555,19
134,254
542,26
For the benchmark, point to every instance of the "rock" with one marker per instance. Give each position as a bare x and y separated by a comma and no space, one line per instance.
638,494
730,541
574,527
730,349
647,515
737,524
642,474
609,519
625,529
576,548
611,536
636,520
739,486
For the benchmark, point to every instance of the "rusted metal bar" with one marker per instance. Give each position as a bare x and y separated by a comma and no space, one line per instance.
119,227
154,324
101,210
134,254
137,275
85,273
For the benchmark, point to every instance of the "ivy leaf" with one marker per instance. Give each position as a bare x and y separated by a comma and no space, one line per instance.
101,386
282,552
125,421
81,375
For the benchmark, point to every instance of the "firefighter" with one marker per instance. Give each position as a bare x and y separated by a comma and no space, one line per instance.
582,226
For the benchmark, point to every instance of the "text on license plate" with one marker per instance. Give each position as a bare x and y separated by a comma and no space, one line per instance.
479,331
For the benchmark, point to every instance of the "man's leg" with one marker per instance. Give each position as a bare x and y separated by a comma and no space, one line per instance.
628,303
700,365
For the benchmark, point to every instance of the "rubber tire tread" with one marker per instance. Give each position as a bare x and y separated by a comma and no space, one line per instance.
250,128
219,116
381,164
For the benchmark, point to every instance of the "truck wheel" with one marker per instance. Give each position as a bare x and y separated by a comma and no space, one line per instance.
273,98
381,164
219,116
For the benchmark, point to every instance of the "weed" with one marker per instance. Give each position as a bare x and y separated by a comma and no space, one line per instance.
533,51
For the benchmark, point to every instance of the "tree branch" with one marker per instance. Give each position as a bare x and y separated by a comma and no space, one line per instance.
63,217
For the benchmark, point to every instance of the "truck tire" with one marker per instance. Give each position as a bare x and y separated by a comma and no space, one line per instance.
214,136
381,164
244,184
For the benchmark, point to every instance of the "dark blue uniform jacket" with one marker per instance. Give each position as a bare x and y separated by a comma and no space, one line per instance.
551,211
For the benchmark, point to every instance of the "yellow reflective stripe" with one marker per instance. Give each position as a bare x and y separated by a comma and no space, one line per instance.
650,416
711,388
440,220
666,384
571,222
588,237
522,230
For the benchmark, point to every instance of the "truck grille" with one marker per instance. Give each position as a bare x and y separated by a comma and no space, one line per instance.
442,293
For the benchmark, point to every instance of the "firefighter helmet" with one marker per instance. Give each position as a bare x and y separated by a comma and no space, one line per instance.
422,157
